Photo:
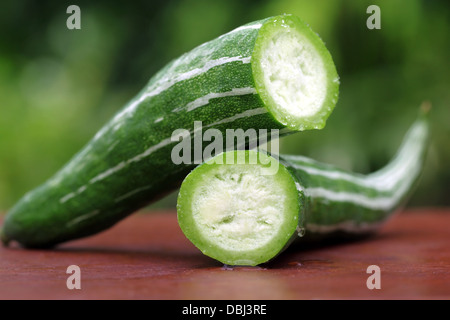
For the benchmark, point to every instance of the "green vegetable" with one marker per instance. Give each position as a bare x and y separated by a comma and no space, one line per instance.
270,74
246,213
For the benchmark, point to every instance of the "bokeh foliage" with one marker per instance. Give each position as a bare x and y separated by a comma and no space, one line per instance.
59,86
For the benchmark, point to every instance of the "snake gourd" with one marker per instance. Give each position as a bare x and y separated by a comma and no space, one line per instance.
274,73
242,212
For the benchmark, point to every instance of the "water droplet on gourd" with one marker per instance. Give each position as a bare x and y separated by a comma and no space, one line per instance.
301,232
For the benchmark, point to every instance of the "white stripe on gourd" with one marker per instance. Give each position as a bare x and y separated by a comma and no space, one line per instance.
241,28
82,218
163,143
202,101
166,83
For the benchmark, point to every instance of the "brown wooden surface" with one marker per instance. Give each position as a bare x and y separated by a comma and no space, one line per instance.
147,257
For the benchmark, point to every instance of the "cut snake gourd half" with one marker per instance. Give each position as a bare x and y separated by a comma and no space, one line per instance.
274,73
246,213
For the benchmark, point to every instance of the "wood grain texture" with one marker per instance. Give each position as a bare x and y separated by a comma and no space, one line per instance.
147,257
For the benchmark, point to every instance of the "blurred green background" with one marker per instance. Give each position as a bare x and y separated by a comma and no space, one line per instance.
59,86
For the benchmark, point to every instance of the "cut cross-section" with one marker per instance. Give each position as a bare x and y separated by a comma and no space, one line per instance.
294,73
238,213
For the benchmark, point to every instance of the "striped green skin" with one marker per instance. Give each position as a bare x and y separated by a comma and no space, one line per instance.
355,204
128,163
332,202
